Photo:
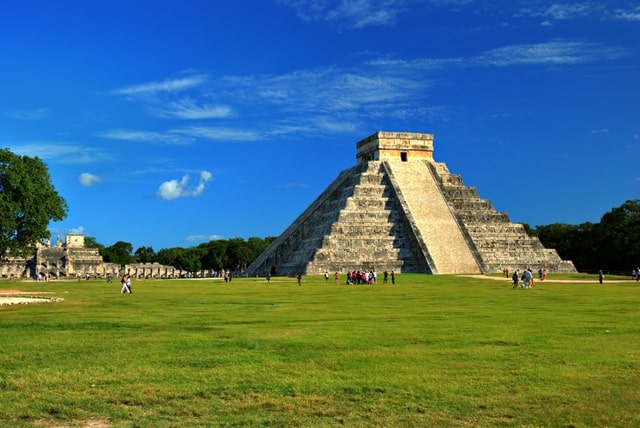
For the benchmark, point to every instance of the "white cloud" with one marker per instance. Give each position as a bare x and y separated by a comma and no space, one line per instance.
169,85
63,153
628,15
186,135
76,230
554,53
569,11
147,136
174,189
600,131
355,13
199,238
217,134
334,99
88,179
187,108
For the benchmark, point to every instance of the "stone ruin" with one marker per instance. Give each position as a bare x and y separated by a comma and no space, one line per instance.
398,209
72,259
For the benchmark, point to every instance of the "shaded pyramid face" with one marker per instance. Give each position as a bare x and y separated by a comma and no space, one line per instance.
399,210
356,224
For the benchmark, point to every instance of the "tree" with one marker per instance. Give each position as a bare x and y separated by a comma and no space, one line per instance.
214,255
188,261
119,253
238,254
28,203
145,255
618,236
168,256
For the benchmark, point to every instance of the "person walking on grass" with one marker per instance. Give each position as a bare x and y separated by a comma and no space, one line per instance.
126,284
299,278
600,276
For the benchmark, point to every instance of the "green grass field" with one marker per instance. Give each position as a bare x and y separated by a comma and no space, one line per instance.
429,351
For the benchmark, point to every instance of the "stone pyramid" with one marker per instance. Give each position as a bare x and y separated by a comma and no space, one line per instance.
397,209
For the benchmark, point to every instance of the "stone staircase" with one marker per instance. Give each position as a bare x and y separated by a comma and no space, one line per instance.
432,218
500,243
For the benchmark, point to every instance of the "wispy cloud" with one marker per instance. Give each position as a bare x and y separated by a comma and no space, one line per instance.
334,100
570,10
550,53
35,114
87,179
187,108
217,133
185,135
174,189
63,153
147,136
632,14
169,85
354,13
598,10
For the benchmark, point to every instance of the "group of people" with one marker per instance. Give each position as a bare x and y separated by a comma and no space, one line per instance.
525,280
362,277
368,278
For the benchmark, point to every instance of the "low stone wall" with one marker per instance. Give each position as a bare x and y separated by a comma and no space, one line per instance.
76,262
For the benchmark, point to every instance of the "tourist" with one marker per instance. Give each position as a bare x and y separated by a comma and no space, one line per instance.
337,277
126,284
385,277
299,278
600,276
268,277
515,279
393,277
526,278
326,277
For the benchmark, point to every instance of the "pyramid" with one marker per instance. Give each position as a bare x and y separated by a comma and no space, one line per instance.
397,209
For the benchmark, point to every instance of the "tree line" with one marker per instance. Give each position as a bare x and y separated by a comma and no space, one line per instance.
613,244
232,254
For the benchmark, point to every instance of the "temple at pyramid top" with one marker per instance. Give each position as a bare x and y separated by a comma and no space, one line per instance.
398,209
395,145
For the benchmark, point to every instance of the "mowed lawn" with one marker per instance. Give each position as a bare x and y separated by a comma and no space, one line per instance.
428,351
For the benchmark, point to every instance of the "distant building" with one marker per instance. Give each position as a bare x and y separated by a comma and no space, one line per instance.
72,259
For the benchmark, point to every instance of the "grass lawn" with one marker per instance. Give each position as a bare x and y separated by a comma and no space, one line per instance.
428,351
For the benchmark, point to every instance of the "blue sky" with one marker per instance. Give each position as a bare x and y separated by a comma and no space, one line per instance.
171,123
